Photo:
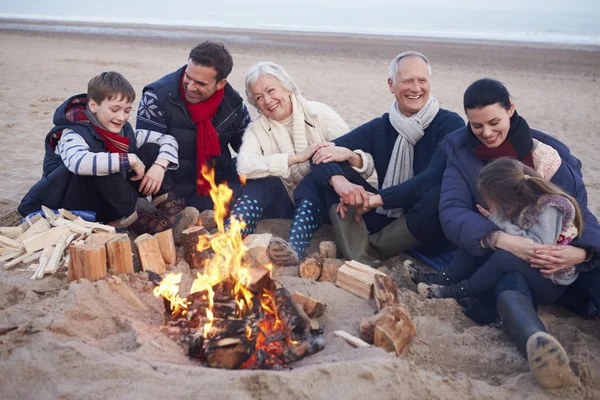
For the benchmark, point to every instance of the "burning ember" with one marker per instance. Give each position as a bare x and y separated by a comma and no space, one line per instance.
234,316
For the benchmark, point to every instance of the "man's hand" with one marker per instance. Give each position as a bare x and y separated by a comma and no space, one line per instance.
332,153
137,166
350,193
152,180
550,259
307,154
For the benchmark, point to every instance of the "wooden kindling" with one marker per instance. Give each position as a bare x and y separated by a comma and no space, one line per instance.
166,244
149,254
119,254
87,261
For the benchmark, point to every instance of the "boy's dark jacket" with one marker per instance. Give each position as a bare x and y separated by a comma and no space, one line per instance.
51,188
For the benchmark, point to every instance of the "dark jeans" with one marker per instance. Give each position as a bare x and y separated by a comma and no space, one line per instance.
483,273
422,219
230,178
272,197
112,196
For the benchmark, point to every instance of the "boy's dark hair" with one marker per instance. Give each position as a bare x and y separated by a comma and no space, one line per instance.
510,186
485,92
109,85
213,54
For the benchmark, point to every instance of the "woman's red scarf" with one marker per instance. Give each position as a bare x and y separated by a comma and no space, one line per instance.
207,138
518,143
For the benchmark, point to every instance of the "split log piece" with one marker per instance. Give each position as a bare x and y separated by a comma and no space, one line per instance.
54,261
328,249
293,317
30,221
11,232
353,340
99,238
46,253
149,254
45,239
49,214
72,226
357,278
67,214
87,261
395,330
94,226
385,291
311,307
8,242
363,267
166,244
117,284
120,256
38,227
261,280
11,254
16,261
189,240
311,268
33,257
330,269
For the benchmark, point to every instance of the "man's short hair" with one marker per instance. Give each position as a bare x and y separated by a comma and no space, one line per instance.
109,85
213,54
396,61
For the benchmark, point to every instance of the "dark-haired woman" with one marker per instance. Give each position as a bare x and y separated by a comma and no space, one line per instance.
496,130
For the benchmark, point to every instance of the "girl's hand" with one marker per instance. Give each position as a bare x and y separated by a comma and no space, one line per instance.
550,259
520,246
152,180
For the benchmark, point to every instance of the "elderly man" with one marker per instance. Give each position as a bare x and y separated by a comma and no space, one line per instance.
404,143
197,106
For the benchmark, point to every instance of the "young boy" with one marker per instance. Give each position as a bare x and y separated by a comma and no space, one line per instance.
95,161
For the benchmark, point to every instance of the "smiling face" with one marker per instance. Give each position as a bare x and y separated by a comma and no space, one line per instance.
272,98
491,124
411,88
200,82
112,114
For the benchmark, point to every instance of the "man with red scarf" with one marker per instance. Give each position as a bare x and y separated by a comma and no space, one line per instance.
198,107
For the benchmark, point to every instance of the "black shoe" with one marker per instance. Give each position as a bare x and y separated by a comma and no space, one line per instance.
441,277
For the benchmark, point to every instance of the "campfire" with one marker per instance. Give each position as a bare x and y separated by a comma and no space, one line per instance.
235,315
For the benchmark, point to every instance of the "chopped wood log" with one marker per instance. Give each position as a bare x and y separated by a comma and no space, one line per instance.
207,220
54,261
44,257
67,214
367,324
45,239
94,226
228,353
11,232
41,225
330,269
328,249
99,238
149,254
72,226
385,291
119,254
311,307
8,242
357,278
395,330
117,284
311,268
166,244
292,316
48,214
261,280
189,240
87,261
353,340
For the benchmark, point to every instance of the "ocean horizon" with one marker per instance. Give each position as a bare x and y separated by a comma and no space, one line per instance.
551,21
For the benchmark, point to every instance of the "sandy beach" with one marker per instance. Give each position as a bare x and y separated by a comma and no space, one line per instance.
82,341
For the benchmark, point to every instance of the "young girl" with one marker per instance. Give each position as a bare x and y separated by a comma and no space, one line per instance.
521,203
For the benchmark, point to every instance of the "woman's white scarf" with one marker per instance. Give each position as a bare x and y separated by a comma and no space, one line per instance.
410,131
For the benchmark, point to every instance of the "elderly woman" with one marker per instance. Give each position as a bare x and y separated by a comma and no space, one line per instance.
275,154
496,130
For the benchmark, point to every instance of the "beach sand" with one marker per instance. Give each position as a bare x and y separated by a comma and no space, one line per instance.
83,341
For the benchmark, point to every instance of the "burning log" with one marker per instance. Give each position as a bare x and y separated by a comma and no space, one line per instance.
261,280
311,307
293,317
189,240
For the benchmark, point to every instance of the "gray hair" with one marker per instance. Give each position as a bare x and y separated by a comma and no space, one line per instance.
396,61
269,69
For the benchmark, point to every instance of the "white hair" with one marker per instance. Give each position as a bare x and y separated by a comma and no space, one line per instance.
396,61
269,69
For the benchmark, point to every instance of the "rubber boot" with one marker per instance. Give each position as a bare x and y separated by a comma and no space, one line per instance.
547,359
352,238
392,240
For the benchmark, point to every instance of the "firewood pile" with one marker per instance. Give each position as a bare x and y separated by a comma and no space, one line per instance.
47,241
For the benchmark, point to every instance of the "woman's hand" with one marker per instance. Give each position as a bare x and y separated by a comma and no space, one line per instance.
152,180
332,153
307,154
137,166
520,246
550,259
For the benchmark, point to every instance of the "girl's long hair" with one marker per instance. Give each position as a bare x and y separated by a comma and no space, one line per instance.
510,186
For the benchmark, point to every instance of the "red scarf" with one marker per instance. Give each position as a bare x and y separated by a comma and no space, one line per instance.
207,138
114,143
506,149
